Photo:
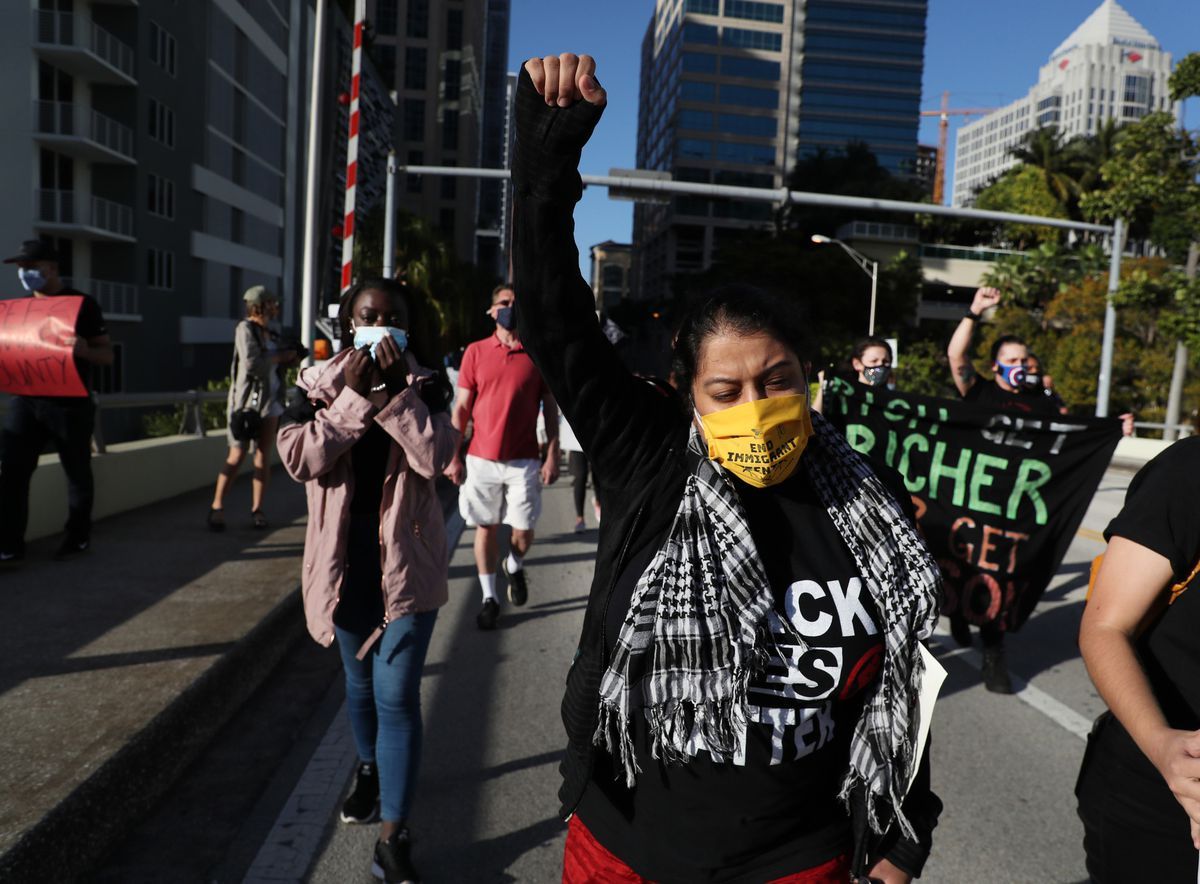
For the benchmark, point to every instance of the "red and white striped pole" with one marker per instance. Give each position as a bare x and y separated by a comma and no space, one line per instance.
360,14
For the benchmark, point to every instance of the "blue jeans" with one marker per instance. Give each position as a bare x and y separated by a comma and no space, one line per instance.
383,696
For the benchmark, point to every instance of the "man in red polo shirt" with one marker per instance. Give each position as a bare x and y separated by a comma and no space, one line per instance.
501,391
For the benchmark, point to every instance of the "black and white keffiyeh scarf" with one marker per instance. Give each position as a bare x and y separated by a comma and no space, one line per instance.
696,630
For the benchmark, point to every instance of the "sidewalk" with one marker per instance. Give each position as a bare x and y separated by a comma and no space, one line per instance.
120,665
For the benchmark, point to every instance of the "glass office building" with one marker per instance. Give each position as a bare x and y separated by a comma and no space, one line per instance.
742,88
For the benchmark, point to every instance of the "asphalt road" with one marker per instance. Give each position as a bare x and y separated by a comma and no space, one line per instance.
486,808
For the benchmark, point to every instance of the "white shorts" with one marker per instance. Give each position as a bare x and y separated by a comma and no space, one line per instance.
495,491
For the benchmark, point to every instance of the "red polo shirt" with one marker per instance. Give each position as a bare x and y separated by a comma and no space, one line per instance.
508,393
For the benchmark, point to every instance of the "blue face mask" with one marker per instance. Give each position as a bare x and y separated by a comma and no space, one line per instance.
1013,375
32,279
505,318
371,335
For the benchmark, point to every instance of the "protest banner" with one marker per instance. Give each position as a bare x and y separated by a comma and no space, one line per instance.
999,495
37,337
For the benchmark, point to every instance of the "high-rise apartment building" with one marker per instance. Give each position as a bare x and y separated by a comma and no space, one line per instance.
735,91
1109,68
152,143
448,61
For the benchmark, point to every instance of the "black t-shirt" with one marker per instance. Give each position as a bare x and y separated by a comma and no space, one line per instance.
369,457
990,395
1162,514
775,811
89,324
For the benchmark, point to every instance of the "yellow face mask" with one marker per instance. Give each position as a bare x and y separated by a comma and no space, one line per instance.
760,442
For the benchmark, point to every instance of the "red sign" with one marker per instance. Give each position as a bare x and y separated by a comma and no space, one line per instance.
1134,56
1062,65
37,340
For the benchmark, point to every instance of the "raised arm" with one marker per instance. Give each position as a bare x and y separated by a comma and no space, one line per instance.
960,342
620,422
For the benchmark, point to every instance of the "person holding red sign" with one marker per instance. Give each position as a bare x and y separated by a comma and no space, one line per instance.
67,421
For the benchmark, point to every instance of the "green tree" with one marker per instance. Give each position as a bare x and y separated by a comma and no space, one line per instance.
1055,159
1023,189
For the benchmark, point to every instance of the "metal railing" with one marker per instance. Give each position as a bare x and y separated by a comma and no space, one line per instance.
60,207
68,118
191,420
116,298
79,32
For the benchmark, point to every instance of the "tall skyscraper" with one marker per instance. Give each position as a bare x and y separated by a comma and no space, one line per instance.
448,61
735,91
1109,68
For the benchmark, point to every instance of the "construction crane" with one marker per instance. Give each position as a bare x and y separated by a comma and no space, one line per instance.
944,114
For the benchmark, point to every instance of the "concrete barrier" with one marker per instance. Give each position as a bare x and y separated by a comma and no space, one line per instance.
1133,453
129,475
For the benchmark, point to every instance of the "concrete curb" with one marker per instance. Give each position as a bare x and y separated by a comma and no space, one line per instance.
73,837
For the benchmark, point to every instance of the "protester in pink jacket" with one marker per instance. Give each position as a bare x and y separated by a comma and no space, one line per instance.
368,437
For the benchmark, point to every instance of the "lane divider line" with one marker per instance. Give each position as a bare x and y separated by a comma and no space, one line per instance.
1031,695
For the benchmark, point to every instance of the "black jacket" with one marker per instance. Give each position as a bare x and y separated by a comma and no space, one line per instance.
635,436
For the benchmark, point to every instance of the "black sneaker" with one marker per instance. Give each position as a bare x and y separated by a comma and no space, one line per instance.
393,860
488,614
960,630
362,804
71,546
995,671
518,588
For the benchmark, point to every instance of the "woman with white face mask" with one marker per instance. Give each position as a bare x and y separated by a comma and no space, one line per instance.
741,704
368,433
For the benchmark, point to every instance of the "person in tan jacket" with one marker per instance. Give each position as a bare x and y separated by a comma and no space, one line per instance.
368,437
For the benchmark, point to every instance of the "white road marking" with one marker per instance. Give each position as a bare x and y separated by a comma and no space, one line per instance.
1061,714
288,851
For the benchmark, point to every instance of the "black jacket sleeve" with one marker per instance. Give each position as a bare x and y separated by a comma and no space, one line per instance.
922,807
622,423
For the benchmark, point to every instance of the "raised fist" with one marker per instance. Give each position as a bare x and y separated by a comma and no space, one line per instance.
985,298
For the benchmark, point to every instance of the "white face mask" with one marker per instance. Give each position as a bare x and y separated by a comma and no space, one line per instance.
371,335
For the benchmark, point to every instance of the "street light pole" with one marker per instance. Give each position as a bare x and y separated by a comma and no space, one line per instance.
308,279
1104,387
869,267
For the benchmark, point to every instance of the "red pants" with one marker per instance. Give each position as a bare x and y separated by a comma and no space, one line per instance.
586,861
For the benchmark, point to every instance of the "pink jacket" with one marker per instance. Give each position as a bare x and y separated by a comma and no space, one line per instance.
412,530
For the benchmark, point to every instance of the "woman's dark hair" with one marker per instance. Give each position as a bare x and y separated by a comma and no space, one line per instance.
1001,341
865,344
744,310
390,287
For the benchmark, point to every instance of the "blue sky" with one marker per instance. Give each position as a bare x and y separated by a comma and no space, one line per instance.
986,53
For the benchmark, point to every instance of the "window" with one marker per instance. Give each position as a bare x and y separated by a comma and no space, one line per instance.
836,99
695,119
1137,91
744,179
162,123
743,124
704,7
446,221
876,47
749,96
416,62
751,68
454,29
450,129
753,39
414,120
694,90
452,79
687,173
162,48
386,17
863,16
753,11
160,269
699,63
738,152
412,183
694,32
160,196
385,61
449,187
861,72
417,20
693,148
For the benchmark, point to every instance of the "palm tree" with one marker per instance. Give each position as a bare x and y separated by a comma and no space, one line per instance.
1045,149
1093,151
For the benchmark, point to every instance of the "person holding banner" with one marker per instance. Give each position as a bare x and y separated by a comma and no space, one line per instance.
742,702
1139,784
64,415
255,403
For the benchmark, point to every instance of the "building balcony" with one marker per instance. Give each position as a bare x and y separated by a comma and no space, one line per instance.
82,132
81,47
118,300
66,212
